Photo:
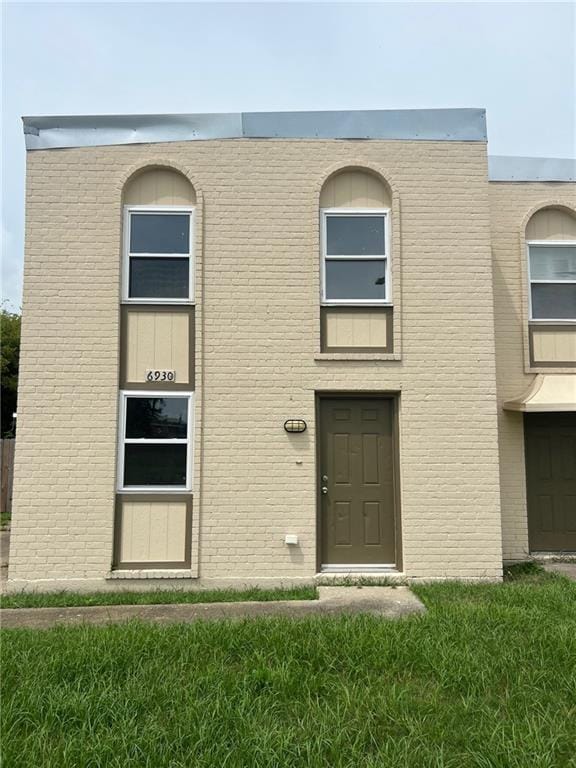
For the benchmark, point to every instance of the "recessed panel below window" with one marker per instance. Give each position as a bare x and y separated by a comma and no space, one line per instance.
554,301
152,531
356,279
157,338
553,345
355,328
159,278
154,465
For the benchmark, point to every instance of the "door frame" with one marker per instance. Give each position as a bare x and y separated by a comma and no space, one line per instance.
394,397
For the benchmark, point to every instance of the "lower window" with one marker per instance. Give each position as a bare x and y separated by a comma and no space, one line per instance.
155,441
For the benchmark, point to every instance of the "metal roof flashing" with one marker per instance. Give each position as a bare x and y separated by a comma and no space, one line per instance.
397,124
523,169
388,124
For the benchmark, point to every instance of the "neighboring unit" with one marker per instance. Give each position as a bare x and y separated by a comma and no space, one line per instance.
264,348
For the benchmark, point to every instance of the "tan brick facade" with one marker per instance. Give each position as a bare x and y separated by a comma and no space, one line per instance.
512,205
258,359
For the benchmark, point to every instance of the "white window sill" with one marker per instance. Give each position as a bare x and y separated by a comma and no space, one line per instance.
367,304
357,356
160,302
160,490
159,573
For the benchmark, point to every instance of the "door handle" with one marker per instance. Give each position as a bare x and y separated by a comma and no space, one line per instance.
324,489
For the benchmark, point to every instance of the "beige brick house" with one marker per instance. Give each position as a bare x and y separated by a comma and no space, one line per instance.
263,348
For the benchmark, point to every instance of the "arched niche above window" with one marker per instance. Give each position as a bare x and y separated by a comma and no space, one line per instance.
552,224
355,188
159,186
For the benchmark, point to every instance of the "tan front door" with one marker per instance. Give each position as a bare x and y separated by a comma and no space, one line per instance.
357,515
551,481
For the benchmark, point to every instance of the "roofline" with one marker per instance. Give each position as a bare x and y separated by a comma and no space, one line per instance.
394,124
469,124
519,169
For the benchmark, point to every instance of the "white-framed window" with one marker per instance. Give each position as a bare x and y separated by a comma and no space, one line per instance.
155,447
355,256
158,264
552,278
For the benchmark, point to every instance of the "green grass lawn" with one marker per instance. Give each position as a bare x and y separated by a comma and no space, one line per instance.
153,597
486,679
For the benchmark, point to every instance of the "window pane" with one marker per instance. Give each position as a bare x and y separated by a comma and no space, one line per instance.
154,465
548,262
554,301
355,279
355,235
163,278
159,233
163,418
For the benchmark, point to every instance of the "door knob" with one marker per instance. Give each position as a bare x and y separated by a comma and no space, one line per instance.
324,489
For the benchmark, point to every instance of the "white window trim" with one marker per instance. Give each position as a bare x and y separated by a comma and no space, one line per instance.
122,441
128,209
379,212
554,244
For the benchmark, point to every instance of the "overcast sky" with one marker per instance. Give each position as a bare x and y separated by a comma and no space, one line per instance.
516,59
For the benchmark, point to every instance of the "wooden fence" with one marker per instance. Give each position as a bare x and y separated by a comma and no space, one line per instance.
7,468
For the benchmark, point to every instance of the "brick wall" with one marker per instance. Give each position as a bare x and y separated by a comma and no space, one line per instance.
512,204
258,362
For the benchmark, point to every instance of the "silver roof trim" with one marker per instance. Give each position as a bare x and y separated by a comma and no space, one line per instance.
413,124
401,124
502,168
103,130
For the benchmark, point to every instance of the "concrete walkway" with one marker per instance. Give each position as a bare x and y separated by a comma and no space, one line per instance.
387,602
564,569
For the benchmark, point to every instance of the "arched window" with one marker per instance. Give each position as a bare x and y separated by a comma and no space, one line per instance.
355,223
356,284
158,237
551,245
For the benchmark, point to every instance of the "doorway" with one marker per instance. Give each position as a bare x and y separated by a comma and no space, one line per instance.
550,440
357,480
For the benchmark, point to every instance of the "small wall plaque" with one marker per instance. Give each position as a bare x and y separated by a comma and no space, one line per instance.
160,375
295,425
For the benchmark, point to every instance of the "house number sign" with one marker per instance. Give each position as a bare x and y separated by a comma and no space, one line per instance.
160,374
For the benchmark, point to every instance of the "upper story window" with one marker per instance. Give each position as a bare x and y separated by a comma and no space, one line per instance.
158,251
355,239
355,257
158,238
551,246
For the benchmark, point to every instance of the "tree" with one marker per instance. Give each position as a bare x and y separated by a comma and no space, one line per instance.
9,355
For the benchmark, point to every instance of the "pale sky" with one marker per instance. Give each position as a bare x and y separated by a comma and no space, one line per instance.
515,59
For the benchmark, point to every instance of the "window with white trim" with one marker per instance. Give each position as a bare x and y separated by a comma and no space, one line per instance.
155,441
158,264
355,257
552,275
